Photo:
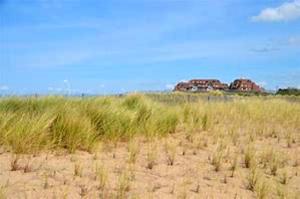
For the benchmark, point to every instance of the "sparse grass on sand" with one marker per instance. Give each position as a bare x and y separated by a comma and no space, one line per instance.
150,145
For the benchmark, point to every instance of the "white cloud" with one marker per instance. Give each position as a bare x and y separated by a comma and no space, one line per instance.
58,89
262,84
184,80
265,49
170,86
4,87
294,41
285,12
54,89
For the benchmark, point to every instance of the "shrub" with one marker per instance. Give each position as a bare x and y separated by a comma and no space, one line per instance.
288,91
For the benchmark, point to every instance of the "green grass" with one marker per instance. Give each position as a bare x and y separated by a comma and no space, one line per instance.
30,124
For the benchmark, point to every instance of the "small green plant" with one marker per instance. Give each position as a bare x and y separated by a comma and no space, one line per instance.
282,192
217,157
216,161
101,176
274,164
273,160
83,190
252,179
233,165
262,189
183,192
204,122
65,194
170,149
289,139
2,193
265,157
77,170
201,142
28,167
283,178
234,137
249,157
133,149
131,172
151,156
46,181
14,163
123,185
197,189
295,160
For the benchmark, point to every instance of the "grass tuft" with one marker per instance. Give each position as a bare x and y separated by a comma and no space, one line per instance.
123,185
102,177
252,179
249,157
170,149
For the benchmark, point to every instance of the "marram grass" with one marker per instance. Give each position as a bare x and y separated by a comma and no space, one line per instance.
29,125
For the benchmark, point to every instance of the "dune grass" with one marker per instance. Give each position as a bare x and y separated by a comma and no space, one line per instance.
29,125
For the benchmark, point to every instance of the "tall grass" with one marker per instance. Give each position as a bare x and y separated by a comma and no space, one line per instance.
29,125
32,124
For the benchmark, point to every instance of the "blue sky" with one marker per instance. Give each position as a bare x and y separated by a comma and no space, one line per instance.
112,46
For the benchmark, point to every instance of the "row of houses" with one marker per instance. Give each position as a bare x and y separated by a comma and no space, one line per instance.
197,85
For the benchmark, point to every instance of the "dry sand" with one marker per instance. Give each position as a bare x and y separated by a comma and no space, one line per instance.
52,175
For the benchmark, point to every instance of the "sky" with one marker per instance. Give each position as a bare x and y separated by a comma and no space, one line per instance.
115,46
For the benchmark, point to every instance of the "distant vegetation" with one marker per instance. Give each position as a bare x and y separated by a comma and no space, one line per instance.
289,91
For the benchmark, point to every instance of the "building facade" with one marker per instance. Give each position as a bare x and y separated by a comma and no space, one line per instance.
183,86
201,85
244,85
198,85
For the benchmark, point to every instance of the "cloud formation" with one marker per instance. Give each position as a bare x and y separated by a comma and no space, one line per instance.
285,12
170,86
4,87
265,49
294,41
